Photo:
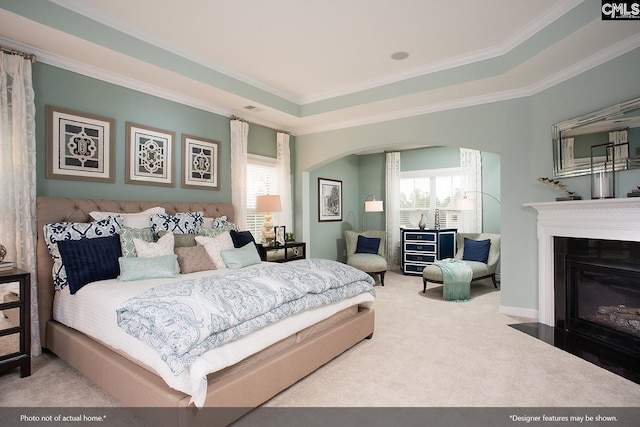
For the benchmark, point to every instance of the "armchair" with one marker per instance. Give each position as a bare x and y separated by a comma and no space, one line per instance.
433,274
372,263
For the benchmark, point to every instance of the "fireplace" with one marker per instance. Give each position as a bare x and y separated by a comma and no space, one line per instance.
589,281
597,290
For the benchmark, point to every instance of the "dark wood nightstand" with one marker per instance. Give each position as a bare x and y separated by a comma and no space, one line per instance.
16,308
283,253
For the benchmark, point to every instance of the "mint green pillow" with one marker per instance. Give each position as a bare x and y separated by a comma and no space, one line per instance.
135,268
241,257
126,239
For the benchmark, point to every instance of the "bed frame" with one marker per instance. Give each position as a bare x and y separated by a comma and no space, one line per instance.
241,389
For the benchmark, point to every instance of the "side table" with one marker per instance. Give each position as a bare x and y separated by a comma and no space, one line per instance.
14,354
283,253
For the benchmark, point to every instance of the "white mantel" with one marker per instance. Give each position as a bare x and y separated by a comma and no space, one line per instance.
609,219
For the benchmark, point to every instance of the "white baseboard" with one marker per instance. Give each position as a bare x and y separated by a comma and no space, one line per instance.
528,313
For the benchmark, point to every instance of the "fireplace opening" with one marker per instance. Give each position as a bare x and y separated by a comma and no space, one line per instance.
597,291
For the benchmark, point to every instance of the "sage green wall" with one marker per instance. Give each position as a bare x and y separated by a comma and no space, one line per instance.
517,130
328,237
370,180
62,88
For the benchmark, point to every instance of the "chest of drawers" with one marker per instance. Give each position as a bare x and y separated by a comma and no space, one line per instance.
420,248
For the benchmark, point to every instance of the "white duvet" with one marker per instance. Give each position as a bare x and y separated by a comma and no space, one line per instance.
92,311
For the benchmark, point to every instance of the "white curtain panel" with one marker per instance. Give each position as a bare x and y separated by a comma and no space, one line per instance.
239,134
18,174
392,209
471,167
284,181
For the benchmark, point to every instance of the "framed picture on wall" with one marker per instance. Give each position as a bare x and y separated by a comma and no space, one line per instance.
200,163
329,200
149,156
79,146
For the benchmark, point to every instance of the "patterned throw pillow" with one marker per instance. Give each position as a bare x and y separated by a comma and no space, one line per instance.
54,233
185,222
214,245
128,234
193,258
164,246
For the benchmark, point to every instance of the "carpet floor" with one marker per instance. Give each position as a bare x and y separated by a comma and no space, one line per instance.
425,352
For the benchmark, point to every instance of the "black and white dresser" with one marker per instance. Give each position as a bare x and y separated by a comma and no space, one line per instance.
423,247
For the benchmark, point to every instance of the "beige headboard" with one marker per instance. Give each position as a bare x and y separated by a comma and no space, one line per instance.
54,209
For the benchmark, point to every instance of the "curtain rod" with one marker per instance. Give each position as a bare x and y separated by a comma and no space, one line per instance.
252,123
10,51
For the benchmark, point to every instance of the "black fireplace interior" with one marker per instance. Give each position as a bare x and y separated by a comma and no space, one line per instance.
597,303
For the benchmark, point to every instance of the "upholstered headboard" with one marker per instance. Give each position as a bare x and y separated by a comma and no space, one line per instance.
52,209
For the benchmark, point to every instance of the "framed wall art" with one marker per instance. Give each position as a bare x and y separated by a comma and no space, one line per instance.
201,163
329,200
79,146
149,156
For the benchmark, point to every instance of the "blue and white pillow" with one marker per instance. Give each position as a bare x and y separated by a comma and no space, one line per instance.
183,223
60,231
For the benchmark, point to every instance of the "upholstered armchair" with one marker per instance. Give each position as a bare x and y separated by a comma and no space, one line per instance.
481,270
363,254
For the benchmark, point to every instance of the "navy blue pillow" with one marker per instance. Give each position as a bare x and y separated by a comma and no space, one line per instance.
241,238
476,250
88,260
367,245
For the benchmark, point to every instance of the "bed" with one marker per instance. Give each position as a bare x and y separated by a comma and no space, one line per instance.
239,384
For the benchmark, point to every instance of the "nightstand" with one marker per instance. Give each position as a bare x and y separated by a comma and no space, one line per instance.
283,253
15,328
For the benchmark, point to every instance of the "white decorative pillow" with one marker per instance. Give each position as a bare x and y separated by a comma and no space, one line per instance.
132,220
215,245
164,246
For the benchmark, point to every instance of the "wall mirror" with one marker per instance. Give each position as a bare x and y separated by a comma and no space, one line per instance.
572,140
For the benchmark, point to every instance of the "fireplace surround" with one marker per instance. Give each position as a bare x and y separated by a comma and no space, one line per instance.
591,248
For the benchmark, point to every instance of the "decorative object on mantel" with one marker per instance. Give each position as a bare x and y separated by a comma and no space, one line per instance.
603,173
3,252
568,195
634,193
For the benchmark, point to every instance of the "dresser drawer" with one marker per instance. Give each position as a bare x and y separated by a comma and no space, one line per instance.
420,247
414,268
421,237
424,258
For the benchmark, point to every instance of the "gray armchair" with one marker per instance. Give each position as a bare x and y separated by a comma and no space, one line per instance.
367,262
433,274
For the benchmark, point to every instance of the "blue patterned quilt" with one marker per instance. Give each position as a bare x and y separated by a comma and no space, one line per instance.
184,319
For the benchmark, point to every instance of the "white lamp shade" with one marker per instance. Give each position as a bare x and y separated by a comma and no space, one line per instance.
268,203
465,204
373,206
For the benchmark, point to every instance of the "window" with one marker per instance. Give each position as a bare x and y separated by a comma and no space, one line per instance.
422,192
262,178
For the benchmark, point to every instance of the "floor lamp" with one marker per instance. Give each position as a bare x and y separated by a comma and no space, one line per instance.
370,206
465,204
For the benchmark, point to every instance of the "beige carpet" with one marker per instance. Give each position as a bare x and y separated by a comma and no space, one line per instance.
425,352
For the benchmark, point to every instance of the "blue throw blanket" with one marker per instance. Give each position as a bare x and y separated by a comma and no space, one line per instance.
184,319
456,275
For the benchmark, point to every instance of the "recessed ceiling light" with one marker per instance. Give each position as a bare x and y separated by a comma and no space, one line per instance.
399,56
